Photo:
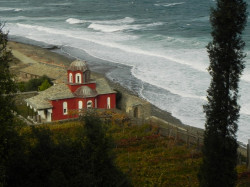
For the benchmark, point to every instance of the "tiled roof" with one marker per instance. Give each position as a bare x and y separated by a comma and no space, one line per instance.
58,91
78,65
102,86
85,91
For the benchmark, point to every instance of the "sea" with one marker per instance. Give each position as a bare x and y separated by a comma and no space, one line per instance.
155,48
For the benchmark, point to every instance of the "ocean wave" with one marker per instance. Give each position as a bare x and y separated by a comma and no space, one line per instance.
75,21
41,28
113,28
59,4
168,4
2,9
126,20
154,24
106,28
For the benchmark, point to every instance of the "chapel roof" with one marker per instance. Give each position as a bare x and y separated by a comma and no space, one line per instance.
78,65
42,100
85,91
102,86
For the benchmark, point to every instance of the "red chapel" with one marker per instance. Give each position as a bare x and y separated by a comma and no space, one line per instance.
65,100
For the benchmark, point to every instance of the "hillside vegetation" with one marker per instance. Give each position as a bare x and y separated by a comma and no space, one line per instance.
148,158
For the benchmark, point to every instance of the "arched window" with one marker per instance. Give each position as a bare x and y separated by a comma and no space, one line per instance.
136,112
70,78
108,103
78,78
89,104
80,105
65,108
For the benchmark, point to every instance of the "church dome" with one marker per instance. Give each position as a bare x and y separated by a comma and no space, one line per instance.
85,91
78,65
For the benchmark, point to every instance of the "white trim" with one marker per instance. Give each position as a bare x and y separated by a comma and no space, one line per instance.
78,78
70,78
89,104
80,105
65,108
108,102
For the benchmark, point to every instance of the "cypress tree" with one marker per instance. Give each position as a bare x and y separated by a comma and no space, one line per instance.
228,20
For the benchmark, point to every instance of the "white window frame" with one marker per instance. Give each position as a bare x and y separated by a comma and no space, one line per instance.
78,78
80,105
89,104
70,78
108,102
65,108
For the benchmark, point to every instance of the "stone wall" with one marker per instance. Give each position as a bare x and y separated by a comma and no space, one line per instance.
135,107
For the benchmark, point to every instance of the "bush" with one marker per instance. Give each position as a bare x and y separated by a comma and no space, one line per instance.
40,84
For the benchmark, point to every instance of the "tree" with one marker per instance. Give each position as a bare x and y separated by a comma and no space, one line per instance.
226,55
45,85
7,87
101,170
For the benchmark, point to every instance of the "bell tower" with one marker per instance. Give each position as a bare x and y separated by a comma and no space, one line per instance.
78,75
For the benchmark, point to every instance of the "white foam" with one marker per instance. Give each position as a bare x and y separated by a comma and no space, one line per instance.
126,20
59,4
154,24
10,9
112,28
74,21
168,4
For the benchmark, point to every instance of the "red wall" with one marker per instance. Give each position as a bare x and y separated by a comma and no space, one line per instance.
102,100
57,111
74,75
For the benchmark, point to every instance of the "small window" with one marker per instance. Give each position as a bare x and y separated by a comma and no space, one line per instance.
65,108
108,103
78,78
70,78
89,104
80,105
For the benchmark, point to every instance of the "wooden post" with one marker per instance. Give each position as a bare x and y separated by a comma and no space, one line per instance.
248,155
188,138
198,140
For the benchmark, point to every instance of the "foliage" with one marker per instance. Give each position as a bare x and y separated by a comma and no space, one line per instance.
65,156
243,176
226,55
98,148
8,137
40,84
147,158
45,85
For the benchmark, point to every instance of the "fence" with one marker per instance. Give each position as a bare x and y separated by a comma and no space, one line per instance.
189,135
194,136
248,155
